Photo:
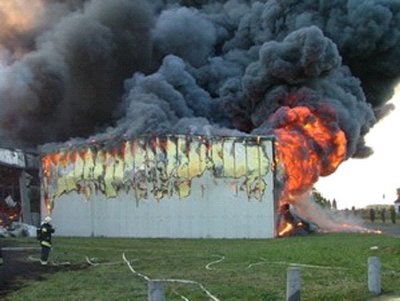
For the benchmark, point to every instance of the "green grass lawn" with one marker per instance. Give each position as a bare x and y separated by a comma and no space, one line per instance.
333,267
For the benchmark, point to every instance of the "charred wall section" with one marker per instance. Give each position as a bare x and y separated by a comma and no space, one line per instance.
171,186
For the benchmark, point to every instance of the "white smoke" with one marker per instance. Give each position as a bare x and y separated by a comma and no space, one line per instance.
327,219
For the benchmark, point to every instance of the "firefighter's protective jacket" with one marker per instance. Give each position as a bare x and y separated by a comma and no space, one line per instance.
45,234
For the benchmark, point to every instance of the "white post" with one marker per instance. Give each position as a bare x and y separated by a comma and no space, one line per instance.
156,291
293,284
374,275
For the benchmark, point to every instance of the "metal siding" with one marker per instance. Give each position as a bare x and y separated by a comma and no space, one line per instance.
12,157
72,216
215,208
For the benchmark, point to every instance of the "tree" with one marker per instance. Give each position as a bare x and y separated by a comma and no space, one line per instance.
318,198
334,205
372,215
392,214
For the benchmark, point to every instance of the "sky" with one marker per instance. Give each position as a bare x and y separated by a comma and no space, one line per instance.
373,180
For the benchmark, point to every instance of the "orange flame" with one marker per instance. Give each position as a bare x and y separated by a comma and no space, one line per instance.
46,166
85,154
122,149
308,146
284,229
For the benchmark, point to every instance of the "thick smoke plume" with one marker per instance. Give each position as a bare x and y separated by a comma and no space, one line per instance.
99,69
63,76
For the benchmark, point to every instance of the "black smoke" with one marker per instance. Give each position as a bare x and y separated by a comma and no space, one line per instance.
70,82
125,68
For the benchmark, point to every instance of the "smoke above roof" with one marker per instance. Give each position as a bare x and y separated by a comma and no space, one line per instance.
118,69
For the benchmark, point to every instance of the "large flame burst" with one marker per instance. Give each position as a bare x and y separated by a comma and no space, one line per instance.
309,144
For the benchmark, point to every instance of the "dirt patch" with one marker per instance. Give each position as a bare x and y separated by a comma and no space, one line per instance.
19,266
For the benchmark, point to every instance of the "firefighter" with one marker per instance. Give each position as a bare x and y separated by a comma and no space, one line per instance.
44,235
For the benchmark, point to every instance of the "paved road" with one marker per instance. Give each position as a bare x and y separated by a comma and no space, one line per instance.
389,229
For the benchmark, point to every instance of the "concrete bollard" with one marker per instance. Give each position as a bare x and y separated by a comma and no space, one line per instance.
156,291
374,275
293,284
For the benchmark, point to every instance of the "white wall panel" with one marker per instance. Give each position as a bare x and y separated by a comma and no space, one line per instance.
220,213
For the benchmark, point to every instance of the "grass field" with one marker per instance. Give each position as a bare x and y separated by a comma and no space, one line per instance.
333,267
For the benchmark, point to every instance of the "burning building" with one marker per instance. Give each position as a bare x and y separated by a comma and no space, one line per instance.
19,187
165,186
315,75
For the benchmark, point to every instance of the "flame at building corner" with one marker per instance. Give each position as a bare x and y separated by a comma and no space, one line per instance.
309,144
